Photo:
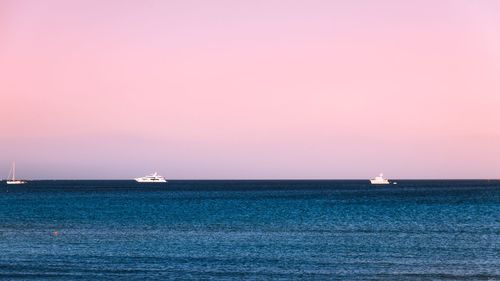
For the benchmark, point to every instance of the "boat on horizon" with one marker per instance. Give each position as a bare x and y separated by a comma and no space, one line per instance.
379,180
13,173
152,178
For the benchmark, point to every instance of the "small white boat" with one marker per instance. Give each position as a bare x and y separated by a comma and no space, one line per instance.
379,180
13,173
153,178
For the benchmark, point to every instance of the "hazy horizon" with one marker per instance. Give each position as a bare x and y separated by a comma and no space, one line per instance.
392,179
250,89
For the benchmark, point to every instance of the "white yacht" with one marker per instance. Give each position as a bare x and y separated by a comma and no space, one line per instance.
379,180
151,178
13,173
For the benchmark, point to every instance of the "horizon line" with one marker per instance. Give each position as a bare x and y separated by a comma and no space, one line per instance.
264,179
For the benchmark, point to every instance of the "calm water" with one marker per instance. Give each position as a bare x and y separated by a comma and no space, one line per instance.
252,230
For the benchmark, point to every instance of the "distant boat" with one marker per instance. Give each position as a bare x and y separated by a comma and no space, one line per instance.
13,173
153,178
379,180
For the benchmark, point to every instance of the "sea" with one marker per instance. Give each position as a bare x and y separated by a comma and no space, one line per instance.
250,230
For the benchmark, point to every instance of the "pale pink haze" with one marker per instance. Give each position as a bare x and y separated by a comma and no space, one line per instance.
255,89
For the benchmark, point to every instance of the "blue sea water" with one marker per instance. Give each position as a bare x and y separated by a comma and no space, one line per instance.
250,230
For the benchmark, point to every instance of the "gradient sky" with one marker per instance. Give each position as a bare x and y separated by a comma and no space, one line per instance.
201,89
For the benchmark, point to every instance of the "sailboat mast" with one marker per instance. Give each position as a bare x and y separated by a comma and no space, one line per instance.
14,170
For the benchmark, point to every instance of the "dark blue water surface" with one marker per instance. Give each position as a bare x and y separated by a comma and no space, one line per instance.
251,230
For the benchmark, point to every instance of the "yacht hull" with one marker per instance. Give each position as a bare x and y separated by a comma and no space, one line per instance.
379,182
150,180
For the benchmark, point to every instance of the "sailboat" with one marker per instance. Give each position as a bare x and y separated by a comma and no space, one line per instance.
13,173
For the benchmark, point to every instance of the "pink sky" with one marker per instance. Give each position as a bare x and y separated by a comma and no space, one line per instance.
250,89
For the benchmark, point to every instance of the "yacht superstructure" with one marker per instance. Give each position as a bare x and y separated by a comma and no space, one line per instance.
379,180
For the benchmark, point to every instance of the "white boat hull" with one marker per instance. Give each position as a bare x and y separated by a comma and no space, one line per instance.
153,178
16,182
150,180
379,182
